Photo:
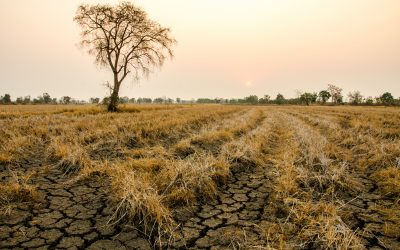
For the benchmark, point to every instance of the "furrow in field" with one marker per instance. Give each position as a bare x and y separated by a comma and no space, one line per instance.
230,219
372,211
178,180
304,210
384,127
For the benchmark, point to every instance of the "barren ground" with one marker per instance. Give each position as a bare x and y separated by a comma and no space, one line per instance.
259,203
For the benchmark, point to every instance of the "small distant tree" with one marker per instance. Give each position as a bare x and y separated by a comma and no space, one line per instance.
355,97
124,99
147,100
280,99
265,99
314,97
27,99
369,100
46,98
105,101
205,100
308,98
94,100
336,93
252,99
178,100
6,99
387,98
66,100
233,101
123,38
158,100
38,100
219,100
132,100
324,95
19,100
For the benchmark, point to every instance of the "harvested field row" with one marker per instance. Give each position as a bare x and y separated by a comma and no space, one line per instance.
374,163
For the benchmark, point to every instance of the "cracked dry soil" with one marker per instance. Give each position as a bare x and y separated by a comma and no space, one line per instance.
230,221
69,216
75,215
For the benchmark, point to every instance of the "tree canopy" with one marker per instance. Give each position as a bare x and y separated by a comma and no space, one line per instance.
324,95
387,98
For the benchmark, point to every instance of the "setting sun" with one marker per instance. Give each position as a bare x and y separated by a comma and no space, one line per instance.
248,84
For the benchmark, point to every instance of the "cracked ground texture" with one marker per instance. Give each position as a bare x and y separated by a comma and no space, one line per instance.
68,216
232,219
76,214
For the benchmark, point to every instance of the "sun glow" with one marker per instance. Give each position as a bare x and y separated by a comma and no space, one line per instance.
248,84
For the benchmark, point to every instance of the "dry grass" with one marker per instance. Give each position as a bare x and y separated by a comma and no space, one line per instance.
334,152
388,181
15,191
136,199
131,147
160,157
309,183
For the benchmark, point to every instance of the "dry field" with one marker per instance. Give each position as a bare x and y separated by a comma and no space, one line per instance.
201,176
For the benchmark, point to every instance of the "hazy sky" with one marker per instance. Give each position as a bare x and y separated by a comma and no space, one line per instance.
226,48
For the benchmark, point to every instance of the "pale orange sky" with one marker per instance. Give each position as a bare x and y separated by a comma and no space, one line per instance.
226,48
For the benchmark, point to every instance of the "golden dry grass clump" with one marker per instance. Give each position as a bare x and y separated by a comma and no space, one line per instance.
16,190
388,181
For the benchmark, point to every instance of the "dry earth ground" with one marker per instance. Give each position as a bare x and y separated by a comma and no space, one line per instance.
212,177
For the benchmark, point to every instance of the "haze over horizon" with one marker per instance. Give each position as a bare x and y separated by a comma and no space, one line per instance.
225,49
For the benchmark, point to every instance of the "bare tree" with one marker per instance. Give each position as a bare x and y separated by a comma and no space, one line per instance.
336,93
123,38
308,98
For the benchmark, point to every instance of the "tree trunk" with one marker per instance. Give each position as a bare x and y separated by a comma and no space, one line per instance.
114,98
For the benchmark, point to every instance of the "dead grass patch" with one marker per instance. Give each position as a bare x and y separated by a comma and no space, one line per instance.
15,191
388,181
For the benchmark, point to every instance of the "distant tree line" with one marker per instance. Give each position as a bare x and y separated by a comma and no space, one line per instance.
45,98
331,96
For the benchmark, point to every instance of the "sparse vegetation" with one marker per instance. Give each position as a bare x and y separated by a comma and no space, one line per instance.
16,190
